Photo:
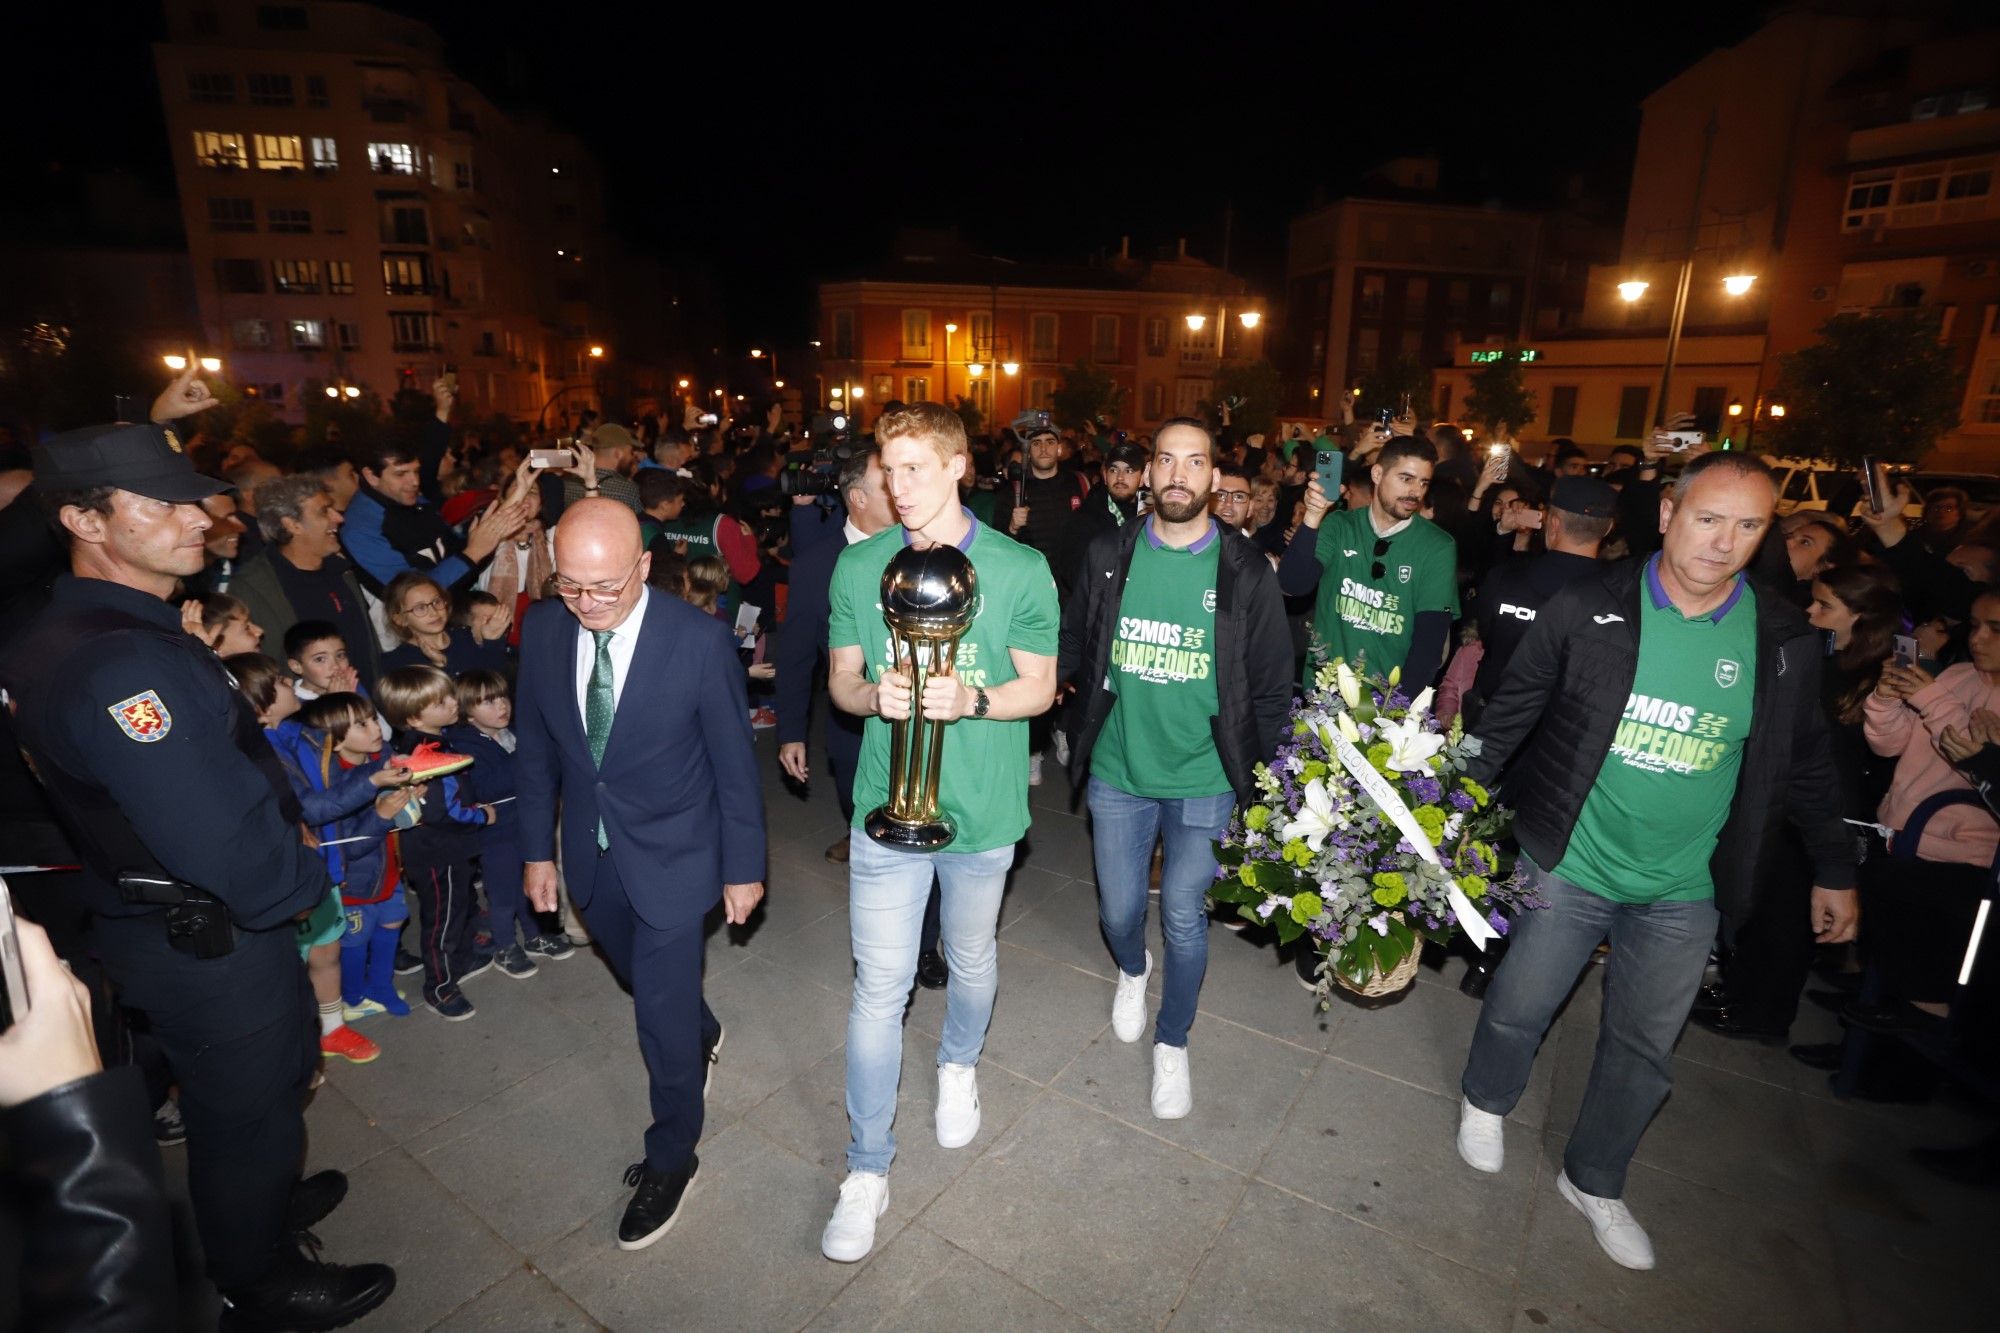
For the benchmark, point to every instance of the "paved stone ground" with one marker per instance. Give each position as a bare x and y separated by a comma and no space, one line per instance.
1314,1186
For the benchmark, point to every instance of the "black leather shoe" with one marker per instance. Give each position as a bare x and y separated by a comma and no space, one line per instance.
313,1198
1897,1016
1729,1021
307,1295
932,974
655,1205
1819,1055
1710,996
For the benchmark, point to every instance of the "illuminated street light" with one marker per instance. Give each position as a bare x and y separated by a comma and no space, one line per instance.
1633,290
1194,322
211,364
351,391
949,328
815,342
1466,432
739,397
683,383
756,352
597,351
1736,409
1251,318
1738,283
175,362
975,368
1010,367
1777,409
835,392
718,393
777,384
332,391
859,392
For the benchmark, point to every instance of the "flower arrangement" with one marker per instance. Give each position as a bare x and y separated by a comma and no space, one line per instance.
1369,837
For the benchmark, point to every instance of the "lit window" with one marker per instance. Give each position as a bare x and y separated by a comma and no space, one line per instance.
406,275
1156,345
916,333
215,149
1042,337
393,159
917,389
325,154
299,277
411,331
251,333
307,335
281,152
339,277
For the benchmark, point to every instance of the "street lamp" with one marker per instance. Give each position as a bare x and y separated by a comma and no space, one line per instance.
682,383
974,369
1736,284
836,392
1251,318
1735,409
1195,323
777,384
1777,409
597,352
1010,367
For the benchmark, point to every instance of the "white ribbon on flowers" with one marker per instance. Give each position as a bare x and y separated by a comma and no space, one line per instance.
1386,799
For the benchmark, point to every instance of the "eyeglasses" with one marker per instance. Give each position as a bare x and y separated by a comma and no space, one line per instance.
1233,497
1381,549
570,590
423,608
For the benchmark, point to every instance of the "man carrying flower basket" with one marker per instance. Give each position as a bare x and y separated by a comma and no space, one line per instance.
1645,797
1177,635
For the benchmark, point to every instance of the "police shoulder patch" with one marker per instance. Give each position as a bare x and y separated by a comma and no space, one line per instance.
143,717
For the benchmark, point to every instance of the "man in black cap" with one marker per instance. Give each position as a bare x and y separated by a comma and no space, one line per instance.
1112,503
194,868
1579,515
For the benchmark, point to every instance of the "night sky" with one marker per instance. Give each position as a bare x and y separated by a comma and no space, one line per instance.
771,151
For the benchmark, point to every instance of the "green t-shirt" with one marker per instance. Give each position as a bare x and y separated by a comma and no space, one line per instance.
1158,741
983,783
1647,830
1362,613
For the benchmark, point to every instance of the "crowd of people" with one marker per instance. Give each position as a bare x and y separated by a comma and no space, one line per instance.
342,717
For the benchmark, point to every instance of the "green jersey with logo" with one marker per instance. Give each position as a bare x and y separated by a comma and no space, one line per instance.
983,783
1158,741
1648,827
1372,588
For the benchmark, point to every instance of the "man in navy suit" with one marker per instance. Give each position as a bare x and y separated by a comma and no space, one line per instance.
662,813
802,640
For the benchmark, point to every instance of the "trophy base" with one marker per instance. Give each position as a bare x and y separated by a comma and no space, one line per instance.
908,834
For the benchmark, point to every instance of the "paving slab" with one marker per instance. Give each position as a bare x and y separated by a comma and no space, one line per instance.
924,1283
524,1302
1382,1152
777,1024
339,1134
1286,1263
1093,1215
1043,1017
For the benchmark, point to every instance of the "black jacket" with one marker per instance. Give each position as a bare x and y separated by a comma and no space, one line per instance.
97,1243
1566,690
1253,652
801,652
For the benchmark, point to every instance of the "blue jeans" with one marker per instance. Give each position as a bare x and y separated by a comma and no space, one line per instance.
1658,952
886,892
1123,827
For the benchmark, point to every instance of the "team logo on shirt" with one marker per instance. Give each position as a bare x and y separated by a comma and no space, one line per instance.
1726,672
1208,600
143,717
1402,573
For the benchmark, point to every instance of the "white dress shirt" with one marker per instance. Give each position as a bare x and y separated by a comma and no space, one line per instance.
852,533
624,642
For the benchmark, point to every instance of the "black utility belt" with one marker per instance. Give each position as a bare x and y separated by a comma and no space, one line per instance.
198,923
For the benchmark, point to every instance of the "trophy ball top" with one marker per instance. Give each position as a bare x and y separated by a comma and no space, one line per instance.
935,587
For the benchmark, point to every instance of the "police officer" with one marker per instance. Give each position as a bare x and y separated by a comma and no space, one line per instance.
194,866
1579,515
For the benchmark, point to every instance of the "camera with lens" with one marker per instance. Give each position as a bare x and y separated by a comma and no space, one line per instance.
816,472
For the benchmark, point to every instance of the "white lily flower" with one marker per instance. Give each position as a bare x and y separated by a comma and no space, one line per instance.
1349,729
1410,746
1422,704
1349,684
1316,818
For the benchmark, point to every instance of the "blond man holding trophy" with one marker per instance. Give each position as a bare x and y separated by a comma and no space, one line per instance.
941,632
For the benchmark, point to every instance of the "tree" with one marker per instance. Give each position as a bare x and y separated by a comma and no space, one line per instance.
1258,391
1086,396
1873,384
1387,386
1500,395
968,412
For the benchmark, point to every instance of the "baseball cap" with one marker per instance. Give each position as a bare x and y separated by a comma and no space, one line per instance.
1129,452
145,459
1032,423
611,435
1584,495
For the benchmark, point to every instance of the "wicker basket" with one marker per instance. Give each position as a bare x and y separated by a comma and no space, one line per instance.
1382,983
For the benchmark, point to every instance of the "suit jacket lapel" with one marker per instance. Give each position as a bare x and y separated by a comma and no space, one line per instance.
569,638
648,657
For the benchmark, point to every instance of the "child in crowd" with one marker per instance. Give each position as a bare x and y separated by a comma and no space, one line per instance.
317,655
344,745
707,581
486,735
438,851
223,623
270,694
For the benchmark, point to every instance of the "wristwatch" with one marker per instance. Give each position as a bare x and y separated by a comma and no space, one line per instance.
980,703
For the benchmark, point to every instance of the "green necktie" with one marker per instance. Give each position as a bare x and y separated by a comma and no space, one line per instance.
600,702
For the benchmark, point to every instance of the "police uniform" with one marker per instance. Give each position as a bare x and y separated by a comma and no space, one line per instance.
1516,590
155,764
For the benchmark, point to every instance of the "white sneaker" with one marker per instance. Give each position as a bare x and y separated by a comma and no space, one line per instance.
957,1105
1617,1233
1480,1141
1034,770
1173,1095
850,1232
1128,1003
1061,739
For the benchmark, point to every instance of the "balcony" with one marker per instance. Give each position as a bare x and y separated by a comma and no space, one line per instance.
410,288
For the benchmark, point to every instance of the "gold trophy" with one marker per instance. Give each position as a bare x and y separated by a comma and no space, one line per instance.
928,600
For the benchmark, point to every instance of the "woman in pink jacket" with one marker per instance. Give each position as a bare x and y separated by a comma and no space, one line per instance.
1920,911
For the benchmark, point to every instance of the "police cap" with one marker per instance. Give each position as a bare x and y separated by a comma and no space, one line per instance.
1584,495
146,459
